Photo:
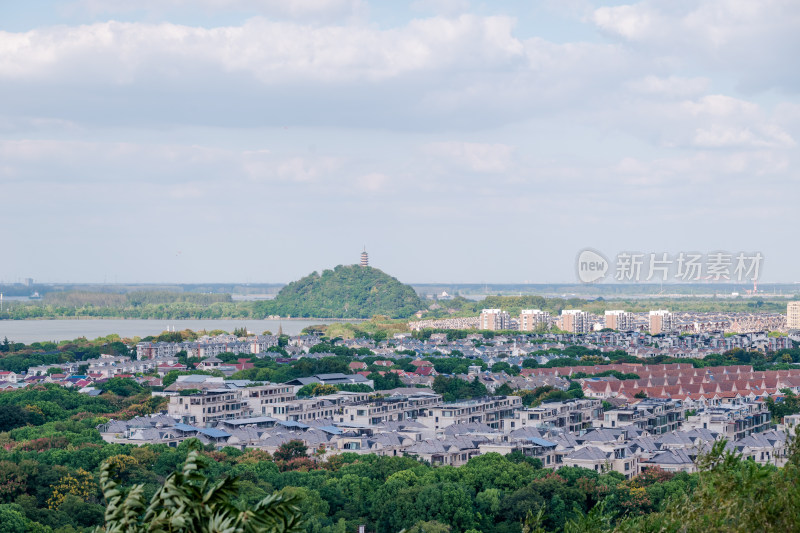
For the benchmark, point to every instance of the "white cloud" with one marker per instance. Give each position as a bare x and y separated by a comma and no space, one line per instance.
373,182
718,136
272,52
293,9
475,157
633,22
670,86
441,7
719,105
755,41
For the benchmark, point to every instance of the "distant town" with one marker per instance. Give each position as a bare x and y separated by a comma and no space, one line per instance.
655,322
623,416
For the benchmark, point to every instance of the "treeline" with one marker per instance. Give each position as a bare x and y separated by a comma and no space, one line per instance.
345,292
514,304
19,357
134,298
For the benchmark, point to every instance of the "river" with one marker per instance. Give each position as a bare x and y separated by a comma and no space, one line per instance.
29,331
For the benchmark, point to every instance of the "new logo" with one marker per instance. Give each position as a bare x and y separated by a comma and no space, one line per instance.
591,266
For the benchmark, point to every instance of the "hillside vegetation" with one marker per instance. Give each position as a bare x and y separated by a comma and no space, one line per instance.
348,291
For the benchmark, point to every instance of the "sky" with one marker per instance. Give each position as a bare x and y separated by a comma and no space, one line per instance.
255,141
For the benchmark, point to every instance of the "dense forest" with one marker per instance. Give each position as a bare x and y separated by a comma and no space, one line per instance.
347,291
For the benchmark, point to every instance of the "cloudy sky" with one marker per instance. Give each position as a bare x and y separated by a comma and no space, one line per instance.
460,141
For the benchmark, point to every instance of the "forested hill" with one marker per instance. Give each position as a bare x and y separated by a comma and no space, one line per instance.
350,291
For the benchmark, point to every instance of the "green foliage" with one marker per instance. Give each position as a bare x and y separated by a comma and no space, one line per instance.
122,387
455,365
173,375
453,389
190,501
316,389
13,416
788,406
547,393
388,381
345,292
733,494
291,450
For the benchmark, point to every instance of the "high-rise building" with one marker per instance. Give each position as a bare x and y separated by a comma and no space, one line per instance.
494,319
793,315
575,321
660,322
364,258
532,319
619,320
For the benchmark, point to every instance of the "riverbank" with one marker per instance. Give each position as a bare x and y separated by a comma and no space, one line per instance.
55,330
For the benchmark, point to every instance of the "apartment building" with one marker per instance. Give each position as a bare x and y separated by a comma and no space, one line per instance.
305,409
571,415
157,350
575,321
619,459
207,346
654,415
392,409
733,420
205,408
533,319
533,447
661,321
259,399
793,315
619,320
494,319
490,411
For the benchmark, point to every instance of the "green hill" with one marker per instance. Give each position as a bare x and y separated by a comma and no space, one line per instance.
350,291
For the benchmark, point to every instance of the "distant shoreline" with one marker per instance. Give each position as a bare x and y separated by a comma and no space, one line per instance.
303,319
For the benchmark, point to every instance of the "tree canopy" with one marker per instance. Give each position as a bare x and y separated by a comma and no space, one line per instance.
347,291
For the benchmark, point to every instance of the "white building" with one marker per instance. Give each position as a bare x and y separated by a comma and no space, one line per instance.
619,320
494,319
660,322
575,321
793,315
532,319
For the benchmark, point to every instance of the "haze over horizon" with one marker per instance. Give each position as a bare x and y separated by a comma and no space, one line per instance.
462,142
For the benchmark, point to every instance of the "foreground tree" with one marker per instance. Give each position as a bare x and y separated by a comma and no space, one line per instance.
733,495
189,502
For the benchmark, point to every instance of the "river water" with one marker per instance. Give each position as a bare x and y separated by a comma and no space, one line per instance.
29,331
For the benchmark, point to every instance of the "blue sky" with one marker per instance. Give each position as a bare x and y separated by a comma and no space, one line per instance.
460,141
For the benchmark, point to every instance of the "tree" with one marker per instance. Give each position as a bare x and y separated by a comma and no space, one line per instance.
291,450
189,502
12,416
316,389
431,526
504,390
388,381
121,387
